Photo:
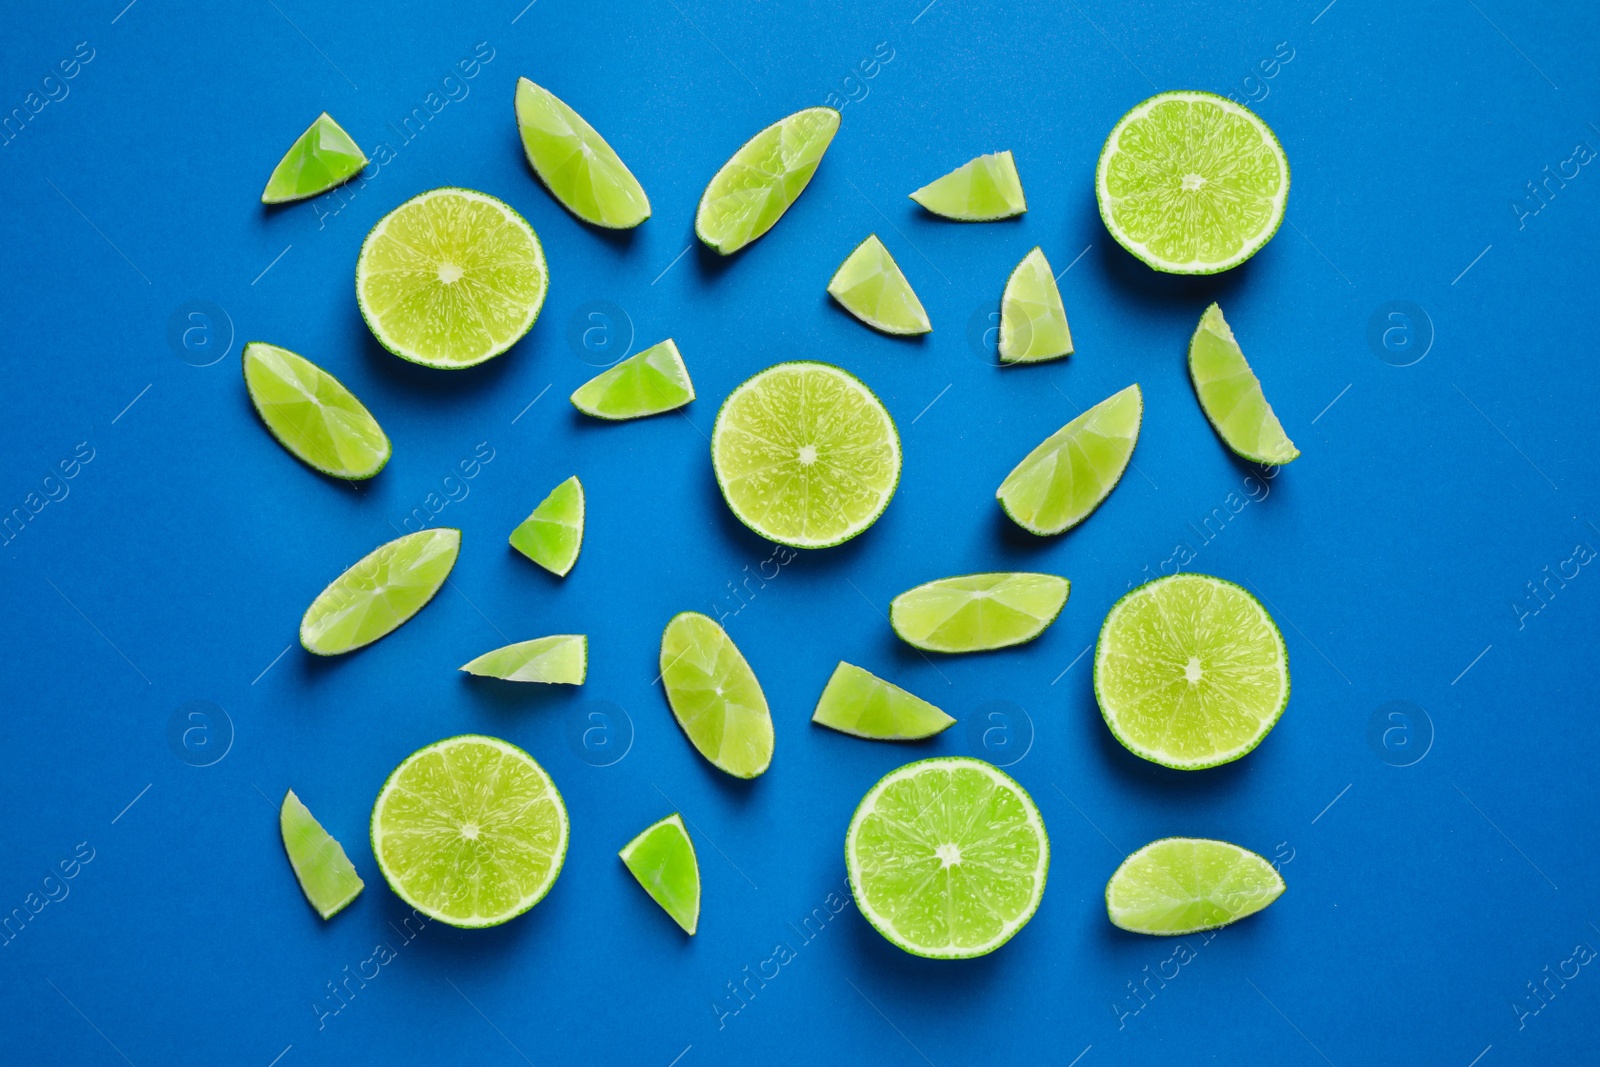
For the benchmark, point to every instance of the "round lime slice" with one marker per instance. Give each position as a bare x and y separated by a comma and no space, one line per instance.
470,831
753,189
321,158
947,857
976,612
552,535
1033,322
1190,671
1192,183
376,596
1061,482
312,414
982,190
870,286
859,703
326,875
575,163
646,383
451,278
1230,394
662,859
715,696
805,454
559,660
1181,885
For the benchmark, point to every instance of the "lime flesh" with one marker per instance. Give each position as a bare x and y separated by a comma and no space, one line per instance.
376,596
575,163
321,158
754,188
871,287
662,859
860,703
1180,885
646,383
1060,483
715,696
1230,394
326,875
976,612
560,660
982,190
312,414
1033,322
552,535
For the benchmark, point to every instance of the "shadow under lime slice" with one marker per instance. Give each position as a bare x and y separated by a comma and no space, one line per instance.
559,660
977,612
312,414
662,859
1230,394
859,703
1033,322
376,596
321,158
768,173
575,163
553,535
326,875
1181,885
715,696
1061,482
982,190
871,287
646,383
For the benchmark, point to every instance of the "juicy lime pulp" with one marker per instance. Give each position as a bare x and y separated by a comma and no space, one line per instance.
470,831
805,454
976,612
662,858
1061,482
1192,183
1230,394
575,163
1033,322
312,414
982,190
552,535
1190,671
715,696
871,287
646,383
767,174
1180,885
321,158
451,278
562,659
860,703
376,596
947,857
326,875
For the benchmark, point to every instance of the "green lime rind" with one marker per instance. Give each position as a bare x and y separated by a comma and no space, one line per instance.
561,659
552,536
763,178
663,860
1033,321
577,166
326,875
312,415
715,697
380,592
1062,481
1182,885
1158,644
321,158
870,285
646,383
983,189
1230,394
978,612
859,703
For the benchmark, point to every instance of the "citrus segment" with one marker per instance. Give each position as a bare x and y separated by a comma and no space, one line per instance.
976,612
754,188
575,163
858,702
1033,322
1230,394
376,596
871,287
715,696
662,858
646,383
326,875
321,158
552,535
981,190
559,660
1061,482
1180,885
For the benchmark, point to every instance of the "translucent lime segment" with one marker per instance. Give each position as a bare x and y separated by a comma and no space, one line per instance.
1060,483
1230,394
646,383
312,414
1190,671
575,163
562,659
1181,885
981,190
976,612
1033,322
321,158
754,188
870,286
1192,183
859,703
805,454
326,875
715,696
376,596
451,278
470,831
947,857
552,535
662,859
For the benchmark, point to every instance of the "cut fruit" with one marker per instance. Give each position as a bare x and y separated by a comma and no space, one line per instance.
662,859
715,696
1181,885
870,286
376,596
1060,483
312,414
559,660
327,877
646,383
553,535
451,278
805,454
982,190
1230,394
575,163
947,857
977,612
754,188
321,158
1190,671
860,703
1033,323
1192,183
470,831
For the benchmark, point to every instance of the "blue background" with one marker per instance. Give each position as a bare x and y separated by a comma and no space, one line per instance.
1395,552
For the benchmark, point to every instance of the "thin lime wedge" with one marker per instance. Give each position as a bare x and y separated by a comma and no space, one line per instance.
981,190
553,535
321,158
646,383
1060,483
575,163
1181,885
662,859
1033,323
870,286
976,612
859,703
715,696
326,875
1190,671
312,414
754,188
376,596
559,660
1230,394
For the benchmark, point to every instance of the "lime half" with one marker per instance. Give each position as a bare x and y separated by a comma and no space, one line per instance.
947,857
870,286
715,696
754,188
859,703
1190,671
1060,483
982,190
1033,323
1180,885
1192,183
646,383
553,535
321,158
575,163
662,859
376,596
326,875
312,414
559,660
1230,394
976,612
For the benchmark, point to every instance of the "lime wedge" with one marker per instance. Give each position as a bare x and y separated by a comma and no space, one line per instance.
1230,394
976,612
319,159
947,857
662,859
860,703
312,414
1190,671
870,286
327,877
470,831
1181,885
805,454
560,660
646,383
553,535
376,596
1060,483
1033,324
982,190
451,278
1192,183
575,163
715,696
754,188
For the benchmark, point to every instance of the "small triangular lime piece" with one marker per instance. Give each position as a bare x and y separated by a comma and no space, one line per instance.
871,287
646,383
575,163
553,535
321,158
327,877
715,696
1181,885
767,174
859,703
1060,483
312,414
1033,324
380,592
982,190
559,660
976,612
1230,394
662,859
